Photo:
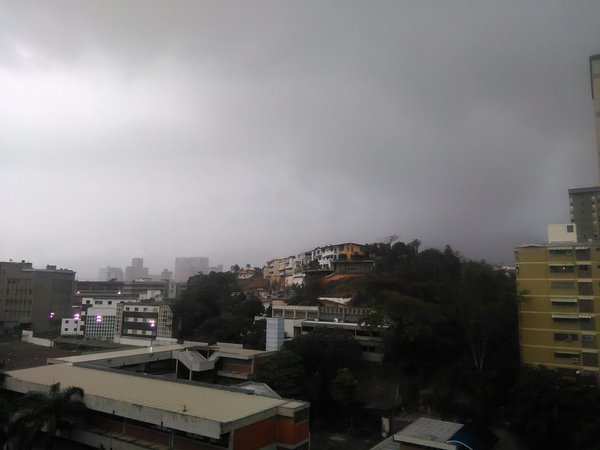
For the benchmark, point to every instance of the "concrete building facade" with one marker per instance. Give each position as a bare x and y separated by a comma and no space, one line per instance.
584,205
144,320
560,288
595,83
136,271
36,298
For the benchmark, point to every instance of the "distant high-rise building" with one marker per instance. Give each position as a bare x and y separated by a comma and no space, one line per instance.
584,204
166,275
218,268
36,298
110,273
188,267
595,81
136,271
585,201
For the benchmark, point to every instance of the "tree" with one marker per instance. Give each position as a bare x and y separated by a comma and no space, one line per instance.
342,390
206,297
256,337
282,372
554,412
343,387
324,352
56,411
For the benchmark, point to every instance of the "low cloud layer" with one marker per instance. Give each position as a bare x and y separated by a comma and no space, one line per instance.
244,131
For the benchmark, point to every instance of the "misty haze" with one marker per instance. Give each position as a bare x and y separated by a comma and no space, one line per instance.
337,225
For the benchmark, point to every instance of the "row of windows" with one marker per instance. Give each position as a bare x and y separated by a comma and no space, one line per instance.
583,287
579,253
587,340
98,302
10,301
138,319
139,332
587,358
137,309
585,305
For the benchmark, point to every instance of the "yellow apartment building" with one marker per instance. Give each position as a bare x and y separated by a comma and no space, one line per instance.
559,285
351,249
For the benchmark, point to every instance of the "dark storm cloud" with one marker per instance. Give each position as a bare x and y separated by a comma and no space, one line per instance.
250,130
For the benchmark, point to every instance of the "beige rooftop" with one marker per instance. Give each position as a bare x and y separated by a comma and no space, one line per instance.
198,401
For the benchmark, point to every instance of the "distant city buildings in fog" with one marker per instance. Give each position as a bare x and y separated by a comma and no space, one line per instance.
110,273
188,267
184,269
136,271
166,275
218,268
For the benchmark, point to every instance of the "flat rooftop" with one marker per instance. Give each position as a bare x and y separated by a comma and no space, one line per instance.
224,350
116,354
585,190
218,405
430,432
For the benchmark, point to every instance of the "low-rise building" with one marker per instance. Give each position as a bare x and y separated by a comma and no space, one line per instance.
132,411
432,434
148,320
37,299
299,320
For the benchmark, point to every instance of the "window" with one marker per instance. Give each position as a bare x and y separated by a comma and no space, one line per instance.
97,302
562,284
588,324
560,251
586,305
564,317
566,337
569,355
562,269
136,309
569,228
590,359
585,288
110,302
583,253
145,309
588,341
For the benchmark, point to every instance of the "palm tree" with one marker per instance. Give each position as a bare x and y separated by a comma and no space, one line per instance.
56,411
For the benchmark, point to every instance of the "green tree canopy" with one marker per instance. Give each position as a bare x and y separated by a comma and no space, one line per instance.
283,372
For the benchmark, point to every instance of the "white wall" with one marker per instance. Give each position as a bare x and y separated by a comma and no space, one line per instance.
559,232
27,336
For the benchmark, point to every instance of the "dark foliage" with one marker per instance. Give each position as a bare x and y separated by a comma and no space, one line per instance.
213,308
283,372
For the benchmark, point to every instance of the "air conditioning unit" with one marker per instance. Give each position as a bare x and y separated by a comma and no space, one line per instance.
575,360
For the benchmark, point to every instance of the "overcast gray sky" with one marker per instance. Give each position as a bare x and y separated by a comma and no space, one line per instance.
248,130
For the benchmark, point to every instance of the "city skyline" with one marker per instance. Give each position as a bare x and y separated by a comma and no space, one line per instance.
247,133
